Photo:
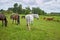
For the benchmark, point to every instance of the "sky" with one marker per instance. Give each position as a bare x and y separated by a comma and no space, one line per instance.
46,5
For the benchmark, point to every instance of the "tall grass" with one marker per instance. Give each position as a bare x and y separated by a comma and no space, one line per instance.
40,30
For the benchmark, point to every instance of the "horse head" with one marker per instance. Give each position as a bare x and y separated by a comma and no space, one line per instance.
36,16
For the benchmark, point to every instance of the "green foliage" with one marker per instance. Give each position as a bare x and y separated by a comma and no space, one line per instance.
15,8
2,11
10,9
38,11
20,9
27,10
15,5
9,12
56,14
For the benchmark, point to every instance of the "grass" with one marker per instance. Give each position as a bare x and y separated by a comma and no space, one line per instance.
40,30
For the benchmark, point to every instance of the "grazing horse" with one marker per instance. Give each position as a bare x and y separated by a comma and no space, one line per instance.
15,17
30,18
49,19
3,19
23,17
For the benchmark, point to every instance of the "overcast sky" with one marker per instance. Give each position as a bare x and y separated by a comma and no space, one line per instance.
46,5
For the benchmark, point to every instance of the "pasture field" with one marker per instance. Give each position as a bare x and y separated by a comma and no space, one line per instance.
40,30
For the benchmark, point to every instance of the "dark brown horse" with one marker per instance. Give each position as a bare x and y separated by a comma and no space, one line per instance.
23,17
3,19
15,17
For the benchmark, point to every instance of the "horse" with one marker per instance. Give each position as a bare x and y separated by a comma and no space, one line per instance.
15,17
29,19
23,17
3,19
49,18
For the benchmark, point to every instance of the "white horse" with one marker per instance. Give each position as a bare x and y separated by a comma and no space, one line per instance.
30,19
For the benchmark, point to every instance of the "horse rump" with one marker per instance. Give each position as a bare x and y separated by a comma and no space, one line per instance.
3,19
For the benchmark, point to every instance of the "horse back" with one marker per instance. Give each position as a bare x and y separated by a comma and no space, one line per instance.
15,16
2,16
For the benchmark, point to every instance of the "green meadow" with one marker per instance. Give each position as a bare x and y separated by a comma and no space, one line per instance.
40,30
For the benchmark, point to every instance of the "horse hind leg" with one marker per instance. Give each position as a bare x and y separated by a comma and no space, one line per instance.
18,20
3,23
28,27
6,22
15,22
31,22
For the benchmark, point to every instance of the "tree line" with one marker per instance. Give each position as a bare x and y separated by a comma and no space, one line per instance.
18,9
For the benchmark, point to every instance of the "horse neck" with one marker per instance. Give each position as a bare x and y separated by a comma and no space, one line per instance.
33,15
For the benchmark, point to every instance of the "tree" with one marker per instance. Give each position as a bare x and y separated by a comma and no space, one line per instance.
15,8
10,9
2,11
38,11
23,11
27,10
20,9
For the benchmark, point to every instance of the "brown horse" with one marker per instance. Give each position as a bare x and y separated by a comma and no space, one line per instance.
48,18
15,17
3,19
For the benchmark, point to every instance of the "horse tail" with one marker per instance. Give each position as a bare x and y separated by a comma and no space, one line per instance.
18,20
5,22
